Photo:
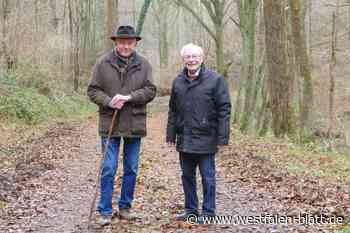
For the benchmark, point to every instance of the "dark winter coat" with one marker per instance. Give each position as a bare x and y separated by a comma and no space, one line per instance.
199,112
110,78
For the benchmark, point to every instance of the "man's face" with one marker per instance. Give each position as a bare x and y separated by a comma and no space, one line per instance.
125,47
192,59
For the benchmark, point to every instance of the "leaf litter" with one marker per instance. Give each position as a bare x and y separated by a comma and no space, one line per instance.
49,183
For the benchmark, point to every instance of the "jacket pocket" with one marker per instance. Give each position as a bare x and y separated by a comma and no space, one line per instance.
139,110
105,119
201,127
104,123
139,120
204,125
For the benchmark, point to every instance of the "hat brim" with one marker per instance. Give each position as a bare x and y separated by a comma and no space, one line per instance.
126,37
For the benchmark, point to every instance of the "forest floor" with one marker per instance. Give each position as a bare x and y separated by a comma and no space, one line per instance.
47,182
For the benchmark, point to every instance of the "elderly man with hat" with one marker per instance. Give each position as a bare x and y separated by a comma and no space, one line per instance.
121,81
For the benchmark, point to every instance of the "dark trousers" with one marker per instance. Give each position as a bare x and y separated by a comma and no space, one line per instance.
206,163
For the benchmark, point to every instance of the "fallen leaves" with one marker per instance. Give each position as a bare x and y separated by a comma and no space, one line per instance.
52,179
264,166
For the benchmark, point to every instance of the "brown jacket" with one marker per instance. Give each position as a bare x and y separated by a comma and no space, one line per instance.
109,79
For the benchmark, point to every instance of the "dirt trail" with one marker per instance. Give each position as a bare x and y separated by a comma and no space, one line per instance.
58,198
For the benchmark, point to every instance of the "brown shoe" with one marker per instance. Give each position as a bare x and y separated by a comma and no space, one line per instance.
127,214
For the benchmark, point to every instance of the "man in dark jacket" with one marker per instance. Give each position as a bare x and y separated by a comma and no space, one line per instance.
121,81
199,124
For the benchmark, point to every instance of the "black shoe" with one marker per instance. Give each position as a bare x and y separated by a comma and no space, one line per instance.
186,215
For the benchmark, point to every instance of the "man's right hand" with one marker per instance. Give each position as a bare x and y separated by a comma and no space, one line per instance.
118,101
116,104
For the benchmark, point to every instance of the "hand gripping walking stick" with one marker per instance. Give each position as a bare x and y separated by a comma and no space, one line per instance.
101,165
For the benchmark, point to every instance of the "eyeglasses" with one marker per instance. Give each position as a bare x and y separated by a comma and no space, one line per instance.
194,56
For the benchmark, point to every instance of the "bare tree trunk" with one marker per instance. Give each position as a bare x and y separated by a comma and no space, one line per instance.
292,71
74,31
86,13
64,34
303,63
262,110
54,18
161,11
332,65
238,105
112,20
71,35
310,29
3,34
17,26
220,58
336,22
349,18
247,15
258,85
264,117
76,64
8,49
277,61
93,28
36,31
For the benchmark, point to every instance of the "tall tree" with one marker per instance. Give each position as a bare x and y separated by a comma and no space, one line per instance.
86,12
310,28
76,17
277,61
247,25
5,54
161,9
332,65
302,60
54,19
349,17
112,20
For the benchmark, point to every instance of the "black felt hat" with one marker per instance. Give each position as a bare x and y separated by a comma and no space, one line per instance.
125,32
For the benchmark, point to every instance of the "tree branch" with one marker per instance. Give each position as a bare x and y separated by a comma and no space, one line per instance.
210,10
335,5
228,7
187,7
235,22
328,41
142,16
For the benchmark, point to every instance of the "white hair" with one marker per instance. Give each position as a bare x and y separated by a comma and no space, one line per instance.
191,47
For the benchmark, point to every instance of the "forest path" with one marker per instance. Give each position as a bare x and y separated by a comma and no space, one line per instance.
51,190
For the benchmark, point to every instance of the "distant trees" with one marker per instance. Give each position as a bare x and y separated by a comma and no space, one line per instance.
217,11
268,91
270,62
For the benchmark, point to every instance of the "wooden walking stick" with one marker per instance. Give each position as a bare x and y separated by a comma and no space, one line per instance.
101,165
